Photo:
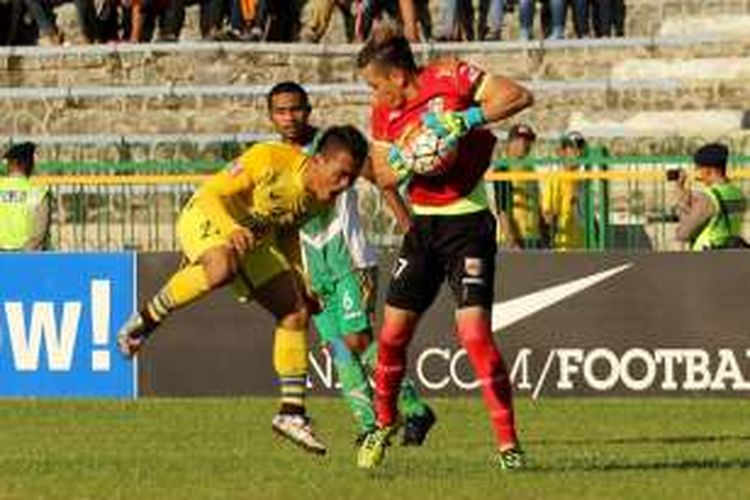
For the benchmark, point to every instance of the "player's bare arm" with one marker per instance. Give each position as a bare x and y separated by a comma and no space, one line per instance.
379,173
398,207
500,98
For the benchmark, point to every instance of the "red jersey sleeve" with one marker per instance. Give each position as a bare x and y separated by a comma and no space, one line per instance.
379,123
468,78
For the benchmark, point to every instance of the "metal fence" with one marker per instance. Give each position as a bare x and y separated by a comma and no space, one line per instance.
627,202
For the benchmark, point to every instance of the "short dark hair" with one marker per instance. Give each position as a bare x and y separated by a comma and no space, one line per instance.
288,87
712,155
522,130
347,137
573,139
387,47
22,153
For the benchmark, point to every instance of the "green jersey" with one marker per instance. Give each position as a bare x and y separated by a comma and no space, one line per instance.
334,244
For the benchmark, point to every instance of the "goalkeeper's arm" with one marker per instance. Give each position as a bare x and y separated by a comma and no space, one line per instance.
497,98
500,98
379,173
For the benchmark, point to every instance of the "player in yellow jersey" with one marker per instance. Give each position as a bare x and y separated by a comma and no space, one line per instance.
242,225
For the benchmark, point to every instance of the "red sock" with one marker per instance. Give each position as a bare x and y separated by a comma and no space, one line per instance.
392,342
476,336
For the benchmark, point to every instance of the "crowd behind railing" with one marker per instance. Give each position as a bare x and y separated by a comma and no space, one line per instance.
30,22
580,198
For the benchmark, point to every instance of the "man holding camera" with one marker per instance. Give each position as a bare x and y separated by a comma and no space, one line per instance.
710,218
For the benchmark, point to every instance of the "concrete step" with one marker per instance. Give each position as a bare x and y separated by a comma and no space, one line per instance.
646,17
243,64
709,68
715,122
725,25
234,110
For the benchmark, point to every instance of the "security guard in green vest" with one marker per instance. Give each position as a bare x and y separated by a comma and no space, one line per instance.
711,218
24,206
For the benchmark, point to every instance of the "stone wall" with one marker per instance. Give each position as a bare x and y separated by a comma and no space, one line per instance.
217,65
226,114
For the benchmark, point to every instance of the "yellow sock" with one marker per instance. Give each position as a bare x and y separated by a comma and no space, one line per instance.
290,362
186,285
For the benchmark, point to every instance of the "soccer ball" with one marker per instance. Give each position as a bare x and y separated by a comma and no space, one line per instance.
424,153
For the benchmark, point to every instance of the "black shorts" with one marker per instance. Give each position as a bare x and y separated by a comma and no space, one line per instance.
460,248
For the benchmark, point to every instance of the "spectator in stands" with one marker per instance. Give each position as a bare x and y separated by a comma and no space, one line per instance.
317,16
24,206
457,22
282,20
608,18
146,14
360,15
245,19
710,217
248,20
562,199
42,13
519,203
582,16
15,27
557,14
99,20
415,14
28,22
211,18
490,22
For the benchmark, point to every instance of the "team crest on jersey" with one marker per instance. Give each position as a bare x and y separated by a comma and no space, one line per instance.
394,115
436,105
473,266
473,72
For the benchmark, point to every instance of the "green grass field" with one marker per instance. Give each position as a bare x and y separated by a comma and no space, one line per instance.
223,448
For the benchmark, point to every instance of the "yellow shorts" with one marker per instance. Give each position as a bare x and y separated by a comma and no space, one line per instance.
197,233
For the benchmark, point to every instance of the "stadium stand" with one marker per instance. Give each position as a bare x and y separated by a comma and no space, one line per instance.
675,81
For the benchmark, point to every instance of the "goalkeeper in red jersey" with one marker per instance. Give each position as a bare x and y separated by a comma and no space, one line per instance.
452,236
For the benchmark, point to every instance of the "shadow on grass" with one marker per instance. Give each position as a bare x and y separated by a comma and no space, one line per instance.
644,440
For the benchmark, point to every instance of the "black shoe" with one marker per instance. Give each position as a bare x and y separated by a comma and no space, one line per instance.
417,427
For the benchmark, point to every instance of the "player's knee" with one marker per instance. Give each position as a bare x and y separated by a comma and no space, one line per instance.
358,342
473,328
220,267
296,320
398,327
391,341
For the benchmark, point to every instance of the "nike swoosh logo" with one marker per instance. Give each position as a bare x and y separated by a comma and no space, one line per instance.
512,311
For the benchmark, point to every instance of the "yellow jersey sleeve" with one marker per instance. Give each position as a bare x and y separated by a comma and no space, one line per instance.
237,180
262,188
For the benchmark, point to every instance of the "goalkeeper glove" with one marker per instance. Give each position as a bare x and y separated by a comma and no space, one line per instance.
454,124
398,164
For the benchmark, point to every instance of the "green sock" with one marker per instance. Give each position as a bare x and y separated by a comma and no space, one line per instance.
356,391
408,398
